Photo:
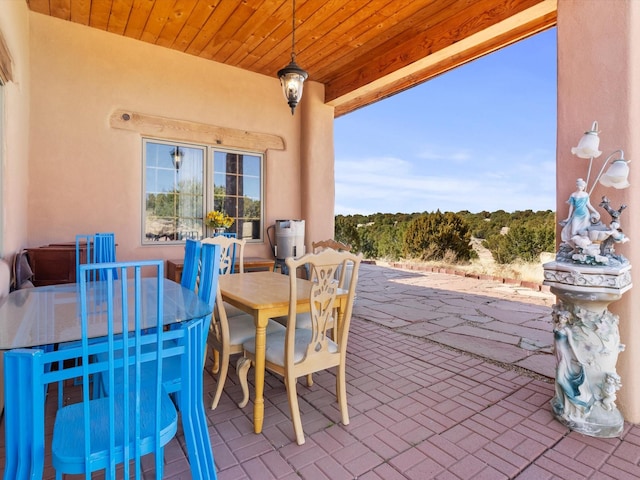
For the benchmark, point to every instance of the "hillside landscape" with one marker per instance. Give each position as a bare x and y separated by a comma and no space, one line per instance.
500,244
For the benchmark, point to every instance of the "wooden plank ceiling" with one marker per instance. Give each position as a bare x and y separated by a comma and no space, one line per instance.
361,50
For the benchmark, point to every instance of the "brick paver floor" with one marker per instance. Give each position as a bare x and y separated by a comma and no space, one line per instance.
448,378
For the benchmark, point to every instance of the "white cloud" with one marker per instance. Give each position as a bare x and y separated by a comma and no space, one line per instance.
392,185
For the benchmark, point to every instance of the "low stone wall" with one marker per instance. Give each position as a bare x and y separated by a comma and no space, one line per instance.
479,276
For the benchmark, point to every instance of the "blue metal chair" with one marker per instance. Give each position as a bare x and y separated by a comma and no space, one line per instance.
191,264
207,288
139,417
100,248
104,251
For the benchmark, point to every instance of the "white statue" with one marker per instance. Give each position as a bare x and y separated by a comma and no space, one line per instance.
581,213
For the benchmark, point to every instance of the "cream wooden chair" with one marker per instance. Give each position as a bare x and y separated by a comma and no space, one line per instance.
299,352
230,327
342,275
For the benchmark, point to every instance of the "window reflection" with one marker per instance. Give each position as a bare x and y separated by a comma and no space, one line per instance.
177,198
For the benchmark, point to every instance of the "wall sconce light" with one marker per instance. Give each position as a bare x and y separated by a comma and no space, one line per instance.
292,77
177,154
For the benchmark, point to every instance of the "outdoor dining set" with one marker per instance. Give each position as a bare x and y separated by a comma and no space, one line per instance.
126,348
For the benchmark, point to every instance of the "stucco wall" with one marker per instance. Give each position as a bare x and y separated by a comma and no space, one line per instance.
599,79
14,26
86,176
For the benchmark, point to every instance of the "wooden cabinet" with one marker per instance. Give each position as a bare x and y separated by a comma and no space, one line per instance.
174,270
55,263
251,264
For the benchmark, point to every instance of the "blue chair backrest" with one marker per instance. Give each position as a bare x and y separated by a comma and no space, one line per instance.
100,248
104,251
191,264
138,416
209,271
208,281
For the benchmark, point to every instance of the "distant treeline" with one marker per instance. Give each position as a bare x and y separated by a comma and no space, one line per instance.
447,236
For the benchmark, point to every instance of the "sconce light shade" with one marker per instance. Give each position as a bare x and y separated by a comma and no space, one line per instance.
176,157
617,176
292,78
588,144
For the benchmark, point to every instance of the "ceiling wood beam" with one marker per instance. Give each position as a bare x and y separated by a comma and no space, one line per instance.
473,47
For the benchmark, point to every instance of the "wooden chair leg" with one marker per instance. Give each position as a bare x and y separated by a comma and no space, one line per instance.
341,393
310,380
222,377
216,361
242,368
294,408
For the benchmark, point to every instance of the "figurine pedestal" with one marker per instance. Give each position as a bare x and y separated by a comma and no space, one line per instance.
587,344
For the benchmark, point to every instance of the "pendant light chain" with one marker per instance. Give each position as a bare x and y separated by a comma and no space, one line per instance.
293,33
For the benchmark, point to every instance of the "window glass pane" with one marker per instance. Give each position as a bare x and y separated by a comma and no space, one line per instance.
251,188
173,192
237,182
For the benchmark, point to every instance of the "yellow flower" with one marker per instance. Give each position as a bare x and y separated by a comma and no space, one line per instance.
217,219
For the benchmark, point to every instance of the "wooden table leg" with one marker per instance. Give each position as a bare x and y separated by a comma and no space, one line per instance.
258,406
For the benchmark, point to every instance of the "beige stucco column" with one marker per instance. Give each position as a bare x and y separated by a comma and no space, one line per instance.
599,79
317,165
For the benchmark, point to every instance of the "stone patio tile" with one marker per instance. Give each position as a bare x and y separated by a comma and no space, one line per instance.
486,333
513,315
539,363
494,350
421,329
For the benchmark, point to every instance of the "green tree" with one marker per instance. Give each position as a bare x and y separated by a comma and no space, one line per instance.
433,236
528,235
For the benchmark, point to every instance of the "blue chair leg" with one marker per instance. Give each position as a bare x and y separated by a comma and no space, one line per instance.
24,415
194,420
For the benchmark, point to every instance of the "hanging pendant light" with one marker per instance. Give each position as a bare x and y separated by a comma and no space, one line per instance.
292,76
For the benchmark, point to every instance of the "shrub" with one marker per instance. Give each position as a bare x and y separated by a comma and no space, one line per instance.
526,239
430,236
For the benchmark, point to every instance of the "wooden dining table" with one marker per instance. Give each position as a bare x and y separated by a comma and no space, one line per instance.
33,320
265,295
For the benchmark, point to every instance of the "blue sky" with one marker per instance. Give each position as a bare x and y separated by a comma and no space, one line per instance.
480,137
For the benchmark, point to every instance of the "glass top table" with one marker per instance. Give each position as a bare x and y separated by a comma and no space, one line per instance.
51,314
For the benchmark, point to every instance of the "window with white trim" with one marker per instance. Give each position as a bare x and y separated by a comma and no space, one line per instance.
182,182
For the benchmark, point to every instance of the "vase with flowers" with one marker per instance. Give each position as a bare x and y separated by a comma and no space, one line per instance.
219,221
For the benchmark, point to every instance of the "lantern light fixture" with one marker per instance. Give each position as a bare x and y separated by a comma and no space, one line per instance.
292,76
177,154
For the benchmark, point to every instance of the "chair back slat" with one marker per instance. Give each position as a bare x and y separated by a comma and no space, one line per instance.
208,283
137,416
191,264
210,258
